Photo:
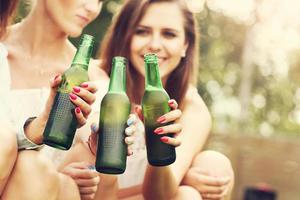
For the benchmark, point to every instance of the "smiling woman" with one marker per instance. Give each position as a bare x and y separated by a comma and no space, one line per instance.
168,29
165,37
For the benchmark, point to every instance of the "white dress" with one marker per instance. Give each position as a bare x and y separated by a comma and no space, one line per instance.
16,106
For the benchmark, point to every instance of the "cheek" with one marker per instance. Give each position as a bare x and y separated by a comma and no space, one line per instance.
176,47
139,43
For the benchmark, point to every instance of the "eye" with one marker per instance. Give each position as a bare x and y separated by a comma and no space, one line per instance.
169,34
142,32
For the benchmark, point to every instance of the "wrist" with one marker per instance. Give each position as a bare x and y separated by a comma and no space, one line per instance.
34,128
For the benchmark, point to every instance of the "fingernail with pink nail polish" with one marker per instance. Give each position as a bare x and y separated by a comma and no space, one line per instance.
73,96
164,139
158,130
161,119
77,110
85,85
76,89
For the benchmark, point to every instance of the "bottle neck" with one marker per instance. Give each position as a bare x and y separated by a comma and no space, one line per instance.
152,76
83,54
118,78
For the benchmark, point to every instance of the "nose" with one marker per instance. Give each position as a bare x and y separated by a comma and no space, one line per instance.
155,43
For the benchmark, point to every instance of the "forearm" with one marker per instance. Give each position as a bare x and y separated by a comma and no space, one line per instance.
160,183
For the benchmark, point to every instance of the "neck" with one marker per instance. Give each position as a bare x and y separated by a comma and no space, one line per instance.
39,34
137,88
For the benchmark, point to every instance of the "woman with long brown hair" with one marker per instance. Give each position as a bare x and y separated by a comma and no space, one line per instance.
168,29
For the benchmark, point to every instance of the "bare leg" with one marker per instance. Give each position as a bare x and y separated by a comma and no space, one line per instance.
107,188
33,178
8,154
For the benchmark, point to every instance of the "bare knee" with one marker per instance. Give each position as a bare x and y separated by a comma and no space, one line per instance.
37,165
214,162
34,176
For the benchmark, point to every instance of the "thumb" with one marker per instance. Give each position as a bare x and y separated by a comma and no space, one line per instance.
54,83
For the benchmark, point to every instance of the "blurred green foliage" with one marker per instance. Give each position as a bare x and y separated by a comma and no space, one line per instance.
222,45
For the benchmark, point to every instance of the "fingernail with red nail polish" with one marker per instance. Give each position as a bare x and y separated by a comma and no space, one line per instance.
164,139
161,119
85,85
77,110
76,89
73,96
158,130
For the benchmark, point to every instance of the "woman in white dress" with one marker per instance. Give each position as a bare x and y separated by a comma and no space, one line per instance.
168,29
37,49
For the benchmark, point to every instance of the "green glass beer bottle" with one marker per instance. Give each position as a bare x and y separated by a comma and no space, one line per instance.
115,109
62,123
154,105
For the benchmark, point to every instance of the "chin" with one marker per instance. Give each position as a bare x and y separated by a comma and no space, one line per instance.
75,32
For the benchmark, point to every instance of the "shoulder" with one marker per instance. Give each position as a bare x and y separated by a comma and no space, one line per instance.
11,41
193,97
95,72
193,102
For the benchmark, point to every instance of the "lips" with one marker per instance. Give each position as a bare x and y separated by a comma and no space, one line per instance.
83,19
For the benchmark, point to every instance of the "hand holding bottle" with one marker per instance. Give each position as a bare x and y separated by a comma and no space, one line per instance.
129,139
85,96
82,97
172,116
62,123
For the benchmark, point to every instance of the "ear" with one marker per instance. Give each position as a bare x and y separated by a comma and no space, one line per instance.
183,53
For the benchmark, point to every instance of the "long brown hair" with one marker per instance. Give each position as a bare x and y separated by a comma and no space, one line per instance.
7,8
118,38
